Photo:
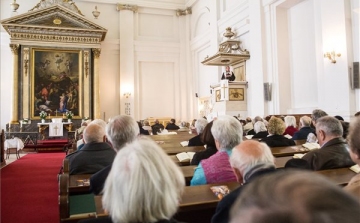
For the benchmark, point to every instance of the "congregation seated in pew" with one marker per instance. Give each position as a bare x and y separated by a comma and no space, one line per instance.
200,125
227,132
144,185
171,125
260,130
305,128
276,128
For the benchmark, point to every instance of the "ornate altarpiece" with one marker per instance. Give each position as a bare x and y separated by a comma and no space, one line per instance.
56,54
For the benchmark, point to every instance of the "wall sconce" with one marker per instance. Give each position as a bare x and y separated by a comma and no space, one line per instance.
127,94
96,13
332,56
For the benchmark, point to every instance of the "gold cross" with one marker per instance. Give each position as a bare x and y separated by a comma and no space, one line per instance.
56,128
56,113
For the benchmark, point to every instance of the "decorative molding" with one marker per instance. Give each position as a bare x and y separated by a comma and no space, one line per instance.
184,12
15,48
26,60
55,38
96,52
86,61
48,3
133,8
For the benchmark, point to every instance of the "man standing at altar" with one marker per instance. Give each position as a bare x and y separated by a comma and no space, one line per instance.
228,74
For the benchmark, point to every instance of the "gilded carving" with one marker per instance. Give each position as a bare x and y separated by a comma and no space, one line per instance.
54,38
26,60
48,3
96,52
86,61
133,8
14,48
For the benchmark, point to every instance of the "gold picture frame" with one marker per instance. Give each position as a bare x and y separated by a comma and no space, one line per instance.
56,82
236,94
217,95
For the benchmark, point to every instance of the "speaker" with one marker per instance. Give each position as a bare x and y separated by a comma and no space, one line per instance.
355,76
196,95
267,91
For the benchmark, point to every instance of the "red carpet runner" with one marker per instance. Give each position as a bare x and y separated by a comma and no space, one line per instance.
29,189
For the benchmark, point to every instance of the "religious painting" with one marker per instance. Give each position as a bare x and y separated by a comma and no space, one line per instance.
236,94
240,72
217,95
56,88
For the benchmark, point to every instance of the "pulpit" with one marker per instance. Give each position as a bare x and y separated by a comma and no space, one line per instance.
229,98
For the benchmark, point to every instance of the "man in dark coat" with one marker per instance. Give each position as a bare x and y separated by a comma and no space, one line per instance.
305,128
120,130
95,154
249,160
334,151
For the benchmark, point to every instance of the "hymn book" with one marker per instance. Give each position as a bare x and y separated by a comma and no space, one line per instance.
184,143
298,155
185,156
311,146
355,168
249,136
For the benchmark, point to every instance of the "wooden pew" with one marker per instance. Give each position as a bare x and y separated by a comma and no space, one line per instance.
176,150
340,176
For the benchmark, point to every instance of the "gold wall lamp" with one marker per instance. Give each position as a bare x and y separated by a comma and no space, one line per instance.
332,56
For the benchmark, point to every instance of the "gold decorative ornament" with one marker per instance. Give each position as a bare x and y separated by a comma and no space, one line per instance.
57,21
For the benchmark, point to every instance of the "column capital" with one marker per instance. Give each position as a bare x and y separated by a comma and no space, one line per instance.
120,7
14,48
96,52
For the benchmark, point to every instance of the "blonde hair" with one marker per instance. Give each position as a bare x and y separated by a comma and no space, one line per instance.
144,184
276,126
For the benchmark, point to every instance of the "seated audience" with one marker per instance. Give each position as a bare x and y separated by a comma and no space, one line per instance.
256,119
95,155
333,152
260,130
248,125
208,139
172,125
199,126
146,126
294,196
144,185
121,129
354,144
249,160
142,131
183,127
276,128
227,132
290,123
157,127
305,129
316,114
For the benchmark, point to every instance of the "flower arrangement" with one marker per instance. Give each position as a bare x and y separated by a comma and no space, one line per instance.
69,115
43,114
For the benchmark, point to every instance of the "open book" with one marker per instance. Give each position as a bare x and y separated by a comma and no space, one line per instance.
220,191
298,155
185,156
288,136
311,146
355,168
184,143
249,136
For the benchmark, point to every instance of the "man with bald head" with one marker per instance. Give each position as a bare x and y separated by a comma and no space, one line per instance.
249,160
96,153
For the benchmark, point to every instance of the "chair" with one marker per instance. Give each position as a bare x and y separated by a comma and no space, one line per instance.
13,144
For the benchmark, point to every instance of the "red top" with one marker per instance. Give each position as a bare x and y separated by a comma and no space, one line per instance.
290,130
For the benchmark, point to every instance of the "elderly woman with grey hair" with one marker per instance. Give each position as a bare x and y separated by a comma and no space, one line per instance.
260,130
227,132
290,122
276,128
143,186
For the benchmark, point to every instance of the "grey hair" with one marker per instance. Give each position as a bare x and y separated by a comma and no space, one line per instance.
93,133
244,158
122,129
200,125
227,131
330,125
100,122
305,121
318,113
259,126
257,118
353,136
144,184
290,121
294,196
